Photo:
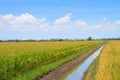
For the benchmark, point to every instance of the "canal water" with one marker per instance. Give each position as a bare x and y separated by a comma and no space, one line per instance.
79,72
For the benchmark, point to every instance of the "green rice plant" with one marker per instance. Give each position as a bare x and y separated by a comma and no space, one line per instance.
19,58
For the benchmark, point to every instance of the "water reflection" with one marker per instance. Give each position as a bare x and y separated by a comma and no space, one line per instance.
78,73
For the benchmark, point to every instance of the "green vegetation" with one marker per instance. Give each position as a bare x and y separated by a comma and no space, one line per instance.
25,60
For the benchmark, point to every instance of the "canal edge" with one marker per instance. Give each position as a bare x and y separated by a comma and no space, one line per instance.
87,73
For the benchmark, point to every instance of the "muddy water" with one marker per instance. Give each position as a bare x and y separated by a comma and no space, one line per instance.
78,73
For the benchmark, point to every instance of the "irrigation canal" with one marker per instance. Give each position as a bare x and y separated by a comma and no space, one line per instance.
78,73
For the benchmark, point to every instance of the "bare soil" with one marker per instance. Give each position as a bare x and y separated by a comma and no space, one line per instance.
59,72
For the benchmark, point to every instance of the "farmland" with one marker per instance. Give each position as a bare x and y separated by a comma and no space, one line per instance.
19,58
106,66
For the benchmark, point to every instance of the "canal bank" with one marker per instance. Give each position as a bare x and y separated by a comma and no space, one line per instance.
78,73
62,70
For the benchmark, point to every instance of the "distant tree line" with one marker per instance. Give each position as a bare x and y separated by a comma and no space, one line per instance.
57,39
110,39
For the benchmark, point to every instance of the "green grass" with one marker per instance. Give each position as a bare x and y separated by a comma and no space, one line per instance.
92,69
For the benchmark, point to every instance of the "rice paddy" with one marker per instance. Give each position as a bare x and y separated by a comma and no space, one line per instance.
107,66
18,58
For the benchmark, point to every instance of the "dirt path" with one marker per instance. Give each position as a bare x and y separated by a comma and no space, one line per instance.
59,72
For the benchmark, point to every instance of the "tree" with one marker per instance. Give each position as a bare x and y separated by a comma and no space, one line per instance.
1,41
90,38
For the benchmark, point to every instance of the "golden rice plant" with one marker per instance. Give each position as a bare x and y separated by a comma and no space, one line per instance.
109,65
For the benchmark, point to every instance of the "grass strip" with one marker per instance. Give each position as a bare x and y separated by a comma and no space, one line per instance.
90,73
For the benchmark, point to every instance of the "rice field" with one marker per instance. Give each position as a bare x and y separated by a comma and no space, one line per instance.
107,66
17,58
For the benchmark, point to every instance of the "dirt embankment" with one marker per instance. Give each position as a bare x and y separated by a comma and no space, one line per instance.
59,72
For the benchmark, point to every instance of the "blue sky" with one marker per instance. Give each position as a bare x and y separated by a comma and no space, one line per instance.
46,19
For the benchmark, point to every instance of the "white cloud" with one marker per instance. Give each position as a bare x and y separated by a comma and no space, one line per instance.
102,24
97,26
6,19
65,23
24,19
42,20
79,23
106,26
27,22
23,22
117,23
63,20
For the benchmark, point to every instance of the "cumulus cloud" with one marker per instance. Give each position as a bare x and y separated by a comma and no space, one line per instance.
27,22
7,19
23,19
106,27
63,20
117,23
79,23
23,22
